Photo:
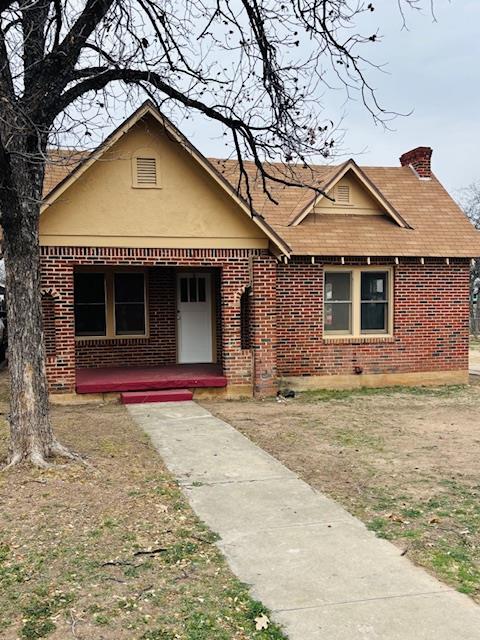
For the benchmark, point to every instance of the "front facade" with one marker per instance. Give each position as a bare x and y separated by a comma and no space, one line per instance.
150,260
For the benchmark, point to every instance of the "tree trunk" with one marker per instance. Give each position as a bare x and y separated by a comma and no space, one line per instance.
31,433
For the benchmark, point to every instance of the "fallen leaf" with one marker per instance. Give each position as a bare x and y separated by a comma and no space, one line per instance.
396,518
261,622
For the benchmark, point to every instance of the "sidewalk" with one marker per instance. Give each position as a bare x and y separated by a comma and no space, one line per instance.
316,567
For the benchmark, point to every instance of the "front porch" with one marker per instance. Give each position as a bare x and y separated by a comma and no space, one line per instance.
118,379
126,321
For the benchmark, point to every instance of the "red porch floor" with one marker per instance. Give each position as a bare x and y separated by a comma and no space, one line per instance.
105,379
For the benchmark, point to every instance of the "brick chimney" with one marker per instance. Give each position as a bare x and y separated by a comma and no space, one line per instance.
420,161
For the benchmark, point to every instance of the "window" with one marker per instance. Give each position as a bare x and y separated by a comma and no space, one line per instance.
193,288
374,313
358,302
338,301
110,304
90,304
129,304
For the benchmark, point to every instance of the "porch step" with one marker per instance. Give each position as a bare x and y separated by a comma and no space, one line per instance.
164,395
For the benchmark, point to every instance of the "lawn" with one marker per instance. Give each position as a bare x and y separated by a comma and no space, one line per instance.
112,551
405,461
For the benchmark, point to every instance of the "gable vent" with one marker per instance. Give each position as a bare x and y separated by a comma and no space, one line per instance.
146,171
342,194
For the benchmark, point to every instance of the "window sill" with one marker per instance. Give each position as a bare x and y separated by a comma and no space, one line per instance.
339,339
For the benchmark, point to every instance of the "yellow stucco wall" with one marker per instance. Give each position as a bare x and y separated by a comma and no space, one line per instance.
190,209
361,201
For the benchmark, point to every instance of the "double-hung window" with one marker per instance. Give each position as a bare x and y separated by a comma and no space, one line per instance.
90,304
129,291
110,304
357,302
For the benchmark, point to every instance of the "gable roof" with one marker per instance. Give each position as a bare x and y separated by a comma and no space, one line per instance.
436,226
422,221
83,162
350,166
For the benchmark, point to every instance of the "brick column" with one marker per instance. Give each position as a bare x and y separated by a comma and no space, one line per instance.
264,324
237,362
57,278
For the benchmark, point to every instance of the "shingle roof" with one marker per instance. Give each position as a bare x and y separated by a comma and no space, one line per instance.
61,162
438,226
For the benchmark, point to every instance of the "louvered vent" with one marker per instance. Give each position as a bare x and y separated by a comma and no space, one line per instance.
342,194
146,171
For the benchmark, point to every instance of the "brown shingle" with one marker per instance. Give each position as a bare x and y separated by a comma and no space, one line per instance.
439,228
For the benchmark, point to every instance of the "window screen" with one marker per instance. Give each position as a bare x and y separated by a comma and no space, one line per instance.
89,296
129,304
338,301
374,302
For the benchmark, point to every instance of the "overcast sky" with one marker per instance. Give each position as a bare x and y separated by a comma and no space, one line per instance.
433,70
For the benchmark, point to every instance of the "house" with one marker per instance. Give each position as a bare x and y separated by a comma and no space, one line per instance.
156,274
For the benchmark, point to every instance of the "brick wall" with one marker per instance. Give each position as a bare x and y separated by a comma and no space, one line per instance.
232,275
430,322
430,316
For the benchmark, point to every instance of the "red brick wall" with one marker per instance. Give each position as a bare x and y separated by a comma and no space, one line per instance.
430,322
233,274
160,346
430,316
264,324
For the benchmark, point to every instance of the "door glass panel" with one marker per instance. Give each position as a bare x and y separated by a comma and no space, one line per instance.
193,289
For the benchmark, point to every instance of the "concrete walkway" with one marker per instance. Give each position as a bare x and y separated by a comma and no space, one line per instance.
316,567
474,362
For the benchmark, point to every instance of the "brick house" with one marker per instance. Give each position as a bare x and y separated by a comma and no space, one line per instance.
156,275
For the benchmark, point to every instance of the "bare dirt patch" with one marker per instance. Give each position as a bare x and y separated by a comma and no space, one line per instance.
113,551
406,462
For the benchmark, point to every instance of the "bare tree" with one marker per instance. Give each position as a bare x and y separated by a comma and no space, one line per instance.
470,203
257,67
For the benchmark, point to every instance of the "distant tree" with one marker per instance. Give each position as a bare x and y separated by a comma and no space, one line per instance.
470,203
257,67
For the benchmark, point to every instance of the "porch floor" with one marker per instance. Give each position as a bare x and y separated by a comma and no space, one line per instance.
105,379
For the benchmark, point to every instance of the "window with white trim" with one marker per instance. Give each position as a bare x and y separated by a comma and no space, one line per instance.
357,302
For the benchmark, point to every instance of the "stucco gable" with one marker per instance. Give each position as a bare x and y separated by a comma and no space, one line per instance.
349,191
100,204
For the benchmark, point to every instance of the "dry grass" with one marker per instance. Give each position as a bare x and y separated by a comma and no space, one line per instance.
406,462
111,552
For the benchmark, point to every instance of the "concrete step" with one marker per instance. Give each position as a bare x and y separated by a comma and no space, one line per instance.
164,395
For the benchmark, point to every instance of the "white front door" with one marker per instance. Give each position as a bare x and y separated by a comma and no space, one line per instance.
194,317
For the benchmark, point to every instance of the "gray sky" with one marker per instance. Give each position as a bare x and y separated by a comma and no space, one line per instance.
433,69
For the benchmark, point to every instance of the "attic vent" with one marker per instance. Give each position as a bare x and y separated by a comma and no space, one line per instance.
146,172
342,194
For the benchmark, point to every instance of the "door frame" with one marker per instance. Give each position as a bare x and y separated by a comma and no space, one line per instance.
213,312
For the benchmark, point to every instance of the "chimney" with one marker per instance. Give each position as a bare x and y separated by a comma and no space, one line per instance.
419,159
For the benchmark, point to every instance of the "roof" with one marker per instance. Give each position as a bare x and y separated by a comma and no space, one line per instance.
436,226
424,220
